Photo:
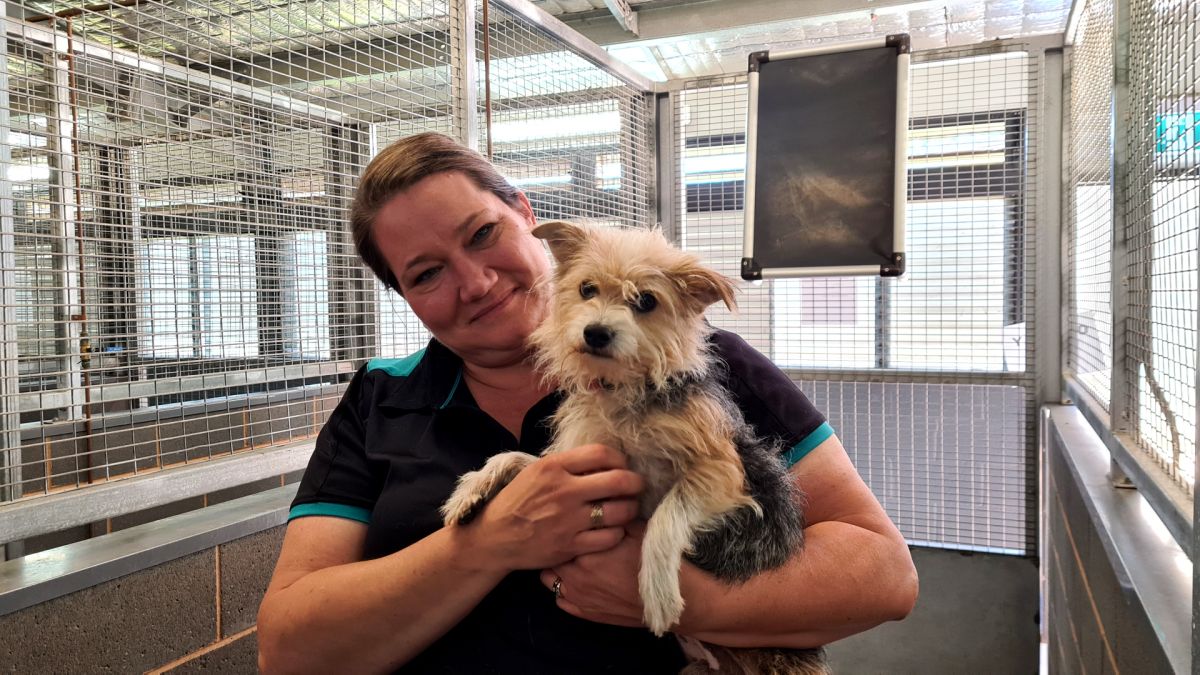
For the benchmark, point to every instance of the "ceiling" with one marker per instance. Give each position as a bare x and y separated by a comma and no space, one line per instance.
681,39
676,39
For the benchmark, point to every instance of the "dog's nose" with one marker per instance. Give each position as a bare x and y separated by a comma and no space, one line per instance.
597,336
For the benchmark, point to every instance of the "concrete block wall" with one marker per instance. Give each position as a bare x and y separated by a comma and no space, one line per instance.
1096,628
186,615
1118,594
190,613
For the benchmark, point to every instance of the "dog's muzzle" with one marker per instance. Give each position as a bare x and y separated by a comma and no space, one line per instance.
598,336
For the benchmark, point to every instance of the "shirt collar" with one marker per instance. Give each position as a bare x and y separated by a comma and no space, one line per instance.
433,382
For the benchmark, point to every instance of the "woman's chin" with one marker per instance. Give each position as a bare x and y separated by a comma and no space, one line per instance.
496,352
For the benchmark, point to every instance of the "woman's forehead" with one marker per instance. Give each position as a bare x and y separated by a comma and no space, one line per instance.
441,201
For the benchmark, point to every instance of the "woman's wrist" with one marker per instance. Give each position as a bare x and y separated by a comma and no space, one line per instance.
470,549
702,595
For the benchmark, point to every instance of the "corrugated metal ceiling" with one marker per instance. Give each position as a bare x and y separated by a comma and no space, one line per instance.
723,50
217,31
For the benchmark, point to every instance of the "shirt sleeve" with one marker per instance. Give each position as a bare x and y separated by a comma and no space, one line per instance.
338,481
771,403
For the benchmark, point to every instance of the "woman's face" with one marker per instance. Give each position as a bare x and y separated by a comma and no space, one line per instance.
467,264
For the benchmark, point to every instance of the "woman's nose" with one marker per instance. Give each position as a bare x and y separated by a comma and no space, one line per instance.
476,281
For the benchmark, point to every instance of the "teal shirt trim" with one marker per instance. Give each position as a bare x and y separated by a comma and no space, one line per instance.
453,389
817,437
397,367
330,509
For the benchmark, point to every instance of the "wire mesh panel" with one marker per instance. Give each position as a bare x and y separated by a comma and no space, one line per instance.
927,378
711,156
572,135
1162,218
185,286
1088,154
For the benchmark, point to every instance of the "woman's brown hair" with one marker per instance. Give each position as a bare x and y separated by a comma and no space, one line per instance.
400,166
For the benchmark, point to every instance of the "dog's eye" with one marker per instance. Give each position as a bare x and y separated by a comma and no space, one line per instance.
588,290
645,302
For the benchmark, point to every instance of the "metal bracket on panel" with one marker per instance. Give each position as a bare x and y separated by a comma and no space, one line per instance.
1118,478
757,59
895,269
751,271
624,14
900,41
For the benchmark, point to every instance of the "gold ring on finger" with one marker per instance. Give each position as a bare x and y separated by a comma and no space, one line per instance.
597,515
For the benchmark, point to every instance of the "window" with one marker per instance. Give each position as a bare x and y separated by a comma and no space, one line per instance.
305,295
826,322
960,305
958,243
199,297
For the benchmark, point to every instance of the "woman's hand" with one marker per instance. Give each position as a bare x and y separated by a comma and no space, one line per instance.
603,586
543,517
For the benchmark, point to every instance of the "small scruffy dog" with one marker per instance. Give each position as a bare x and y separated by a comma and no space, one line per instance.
627,341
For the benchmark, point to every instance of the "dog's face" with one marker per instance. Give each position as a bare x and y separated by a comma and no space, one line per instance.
627,308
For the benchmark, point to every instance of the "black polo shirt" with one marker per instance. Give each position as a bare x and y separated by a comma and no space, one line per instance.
406,429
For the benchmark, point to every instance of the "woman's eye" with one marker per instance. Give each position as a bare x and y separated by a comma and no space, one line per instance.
425,276
588,290
645,302
482,233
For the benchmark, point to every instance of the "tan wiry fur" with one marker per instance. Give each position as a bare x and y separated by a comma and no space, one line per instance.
636,392
691,467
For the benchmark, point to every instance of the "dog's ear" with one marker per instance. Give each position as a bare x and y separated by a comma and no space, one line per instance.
706,286
565,239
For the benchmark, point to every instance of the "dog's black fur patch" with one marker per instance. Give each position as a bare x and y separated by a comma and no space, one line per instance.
742,544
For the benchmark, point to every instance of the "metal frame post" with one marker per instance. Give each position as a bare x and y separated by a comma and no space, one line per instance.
465,78
351,289
1123,416
64,213
10,414
1047,343
666,171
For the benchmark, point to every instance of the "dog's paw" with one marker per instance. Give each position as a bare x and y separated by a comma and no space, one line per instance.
662,604
476,488
463,505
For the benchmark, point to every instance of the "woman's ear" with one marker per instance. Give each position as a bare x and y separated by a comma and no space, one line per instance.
565,239
526,209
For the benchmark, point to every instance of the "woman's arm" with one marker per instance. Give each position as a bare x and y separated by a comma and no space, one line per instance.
327,610
854,573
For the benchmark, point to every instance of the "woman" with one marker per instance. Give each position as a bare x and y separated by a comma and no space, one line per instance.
369,580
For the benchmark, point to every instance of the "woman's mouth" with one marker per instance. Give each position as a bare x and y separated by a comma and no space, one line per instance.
494,307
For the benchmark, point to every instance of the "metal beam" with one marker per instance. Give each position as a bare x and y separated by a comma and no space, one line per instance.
1173,506
50,574
146,388
702,17
178,74
624,14
580,44
53,513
